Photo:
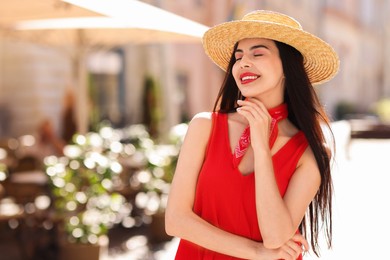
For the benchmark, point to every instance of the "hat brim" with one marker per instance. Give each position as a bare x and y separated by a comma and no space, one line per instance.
320,60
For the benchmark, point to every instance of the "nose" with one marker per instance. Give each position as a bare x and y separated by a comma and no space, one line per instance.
245,62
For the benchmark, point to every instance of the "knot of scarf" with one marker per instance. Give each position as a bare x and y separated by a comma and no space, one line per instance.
277,113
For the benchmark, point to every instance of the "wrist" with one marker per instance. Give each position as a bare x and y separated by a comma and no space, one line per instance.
258,250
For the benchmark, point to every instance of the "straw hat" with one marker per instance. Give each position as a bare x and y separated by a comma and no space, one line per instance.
320,60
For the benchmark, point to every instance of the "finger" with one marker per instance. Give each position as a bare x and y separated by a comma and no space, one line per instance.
298,238
295,247
256,111
251,103
260,105
247,114
245,111
251,113
289,251
261,108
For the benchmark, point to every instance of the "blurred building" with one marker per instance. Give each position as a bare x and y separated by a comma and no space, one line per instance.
356,29
34,79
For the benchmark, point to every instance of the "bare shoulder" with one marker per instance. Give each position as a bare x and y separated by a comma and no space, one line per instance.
199,127
307,157
307,165
201,120
202,115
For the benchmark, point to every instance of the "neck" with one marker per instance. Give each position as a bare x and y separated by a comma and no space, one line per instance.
270,102
271,99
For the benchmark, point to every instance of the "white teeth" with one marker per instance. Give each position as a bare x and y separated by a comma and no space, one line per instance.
249,77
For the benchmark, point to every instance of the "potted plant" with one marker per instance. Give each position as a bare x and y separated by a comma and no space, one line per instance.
82,183
156,176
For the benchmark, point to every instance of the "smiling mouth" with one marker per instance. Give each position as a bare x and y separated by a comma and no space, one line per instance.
248,79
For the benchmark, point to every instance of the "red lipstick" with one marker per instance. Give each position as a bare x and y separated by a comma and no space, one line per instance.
248,77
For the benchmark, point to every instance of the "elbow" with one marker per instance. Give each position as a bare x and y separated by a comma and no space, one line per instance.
175,222
170,223
277,235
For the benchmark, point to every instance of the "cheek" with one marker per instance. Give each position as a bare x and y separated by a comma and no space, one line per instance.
235,74
276,70
279,68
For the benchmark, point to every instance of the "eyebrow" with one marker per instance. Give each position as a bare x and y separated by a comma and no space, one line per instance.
254,47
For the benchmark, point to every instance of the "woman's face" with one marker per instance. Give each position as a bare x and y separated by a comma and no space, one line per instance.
258,70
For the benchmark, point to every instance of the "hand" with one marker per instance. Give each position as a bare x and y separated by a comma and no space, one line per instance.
293,248
289,251
259,120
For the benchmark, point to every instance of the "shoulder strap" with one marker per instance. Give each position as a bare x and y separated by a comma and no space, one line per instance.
298,147
216,128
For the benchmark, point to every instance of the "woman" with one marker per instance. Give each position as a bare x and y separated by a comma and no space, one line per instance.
248,172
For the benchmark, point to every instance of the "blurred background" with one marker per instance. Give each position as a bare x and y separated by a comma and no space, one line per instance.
106,99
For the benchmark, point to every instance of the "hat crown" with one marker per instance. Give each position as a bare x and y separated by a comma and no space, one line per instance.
272,17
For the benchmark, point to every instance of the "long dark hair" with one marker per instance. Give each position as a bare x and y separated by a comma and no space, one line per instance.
307,114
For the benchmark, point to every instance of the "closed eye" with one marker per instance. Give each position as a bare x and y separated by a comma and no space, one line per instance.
257,55
238,56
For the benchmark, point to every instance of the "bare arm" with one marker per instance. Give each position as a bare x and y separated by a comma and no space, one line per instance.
182,222
278,217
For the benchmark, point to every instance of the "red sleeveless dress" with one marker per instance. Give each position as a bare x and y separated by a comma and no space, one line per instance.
226,198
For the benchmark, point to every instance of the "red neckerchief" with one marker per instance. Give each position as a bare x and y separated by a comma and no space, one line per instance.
277,113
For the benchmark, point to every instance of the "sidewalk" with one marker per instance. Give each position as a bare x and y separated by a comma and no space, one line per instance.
361,201
138,249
